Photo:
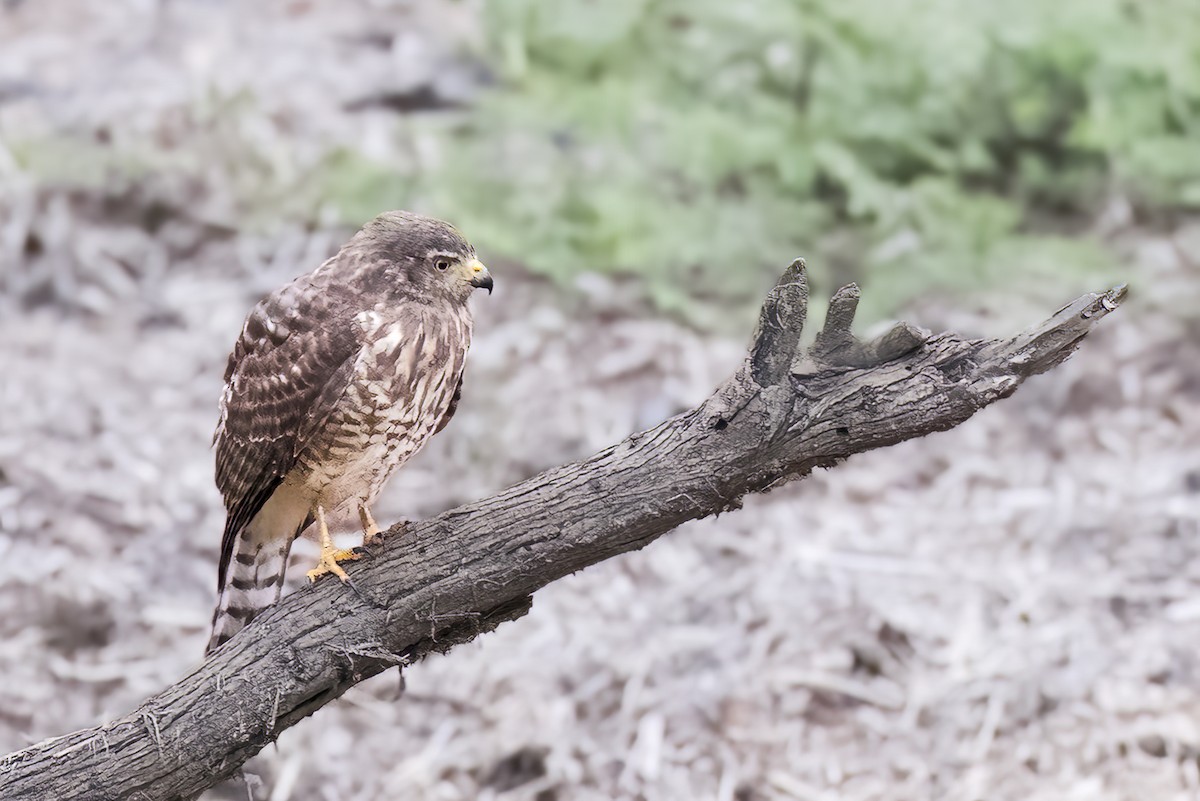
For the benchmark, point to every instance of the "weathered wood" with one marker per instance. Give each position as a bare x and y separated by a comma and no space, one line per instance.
441,582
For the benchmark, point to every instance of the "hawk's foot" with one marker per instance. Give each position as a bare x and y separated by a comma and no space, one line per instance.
330,556
329,563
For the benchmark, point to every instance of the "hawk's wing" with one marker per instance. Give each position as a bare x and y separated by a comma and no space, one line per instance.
287,371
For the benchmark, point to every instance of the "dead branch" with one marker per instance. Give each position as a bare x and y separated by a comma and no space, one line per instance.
444,581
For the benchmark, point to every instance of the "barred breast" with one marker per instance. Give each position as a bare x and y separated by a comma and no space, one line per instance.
403,382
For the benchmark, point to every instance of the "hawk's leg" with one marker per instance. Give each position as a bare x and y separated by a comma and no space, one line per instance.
371,531
369,526
330,556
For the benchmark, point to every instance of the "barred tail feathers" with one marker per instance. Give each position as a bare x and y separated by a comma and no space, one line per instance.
253,582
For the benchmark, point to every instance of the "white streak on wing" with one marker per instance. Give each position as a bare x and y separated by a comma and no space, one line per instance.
223,405
368,320
389,341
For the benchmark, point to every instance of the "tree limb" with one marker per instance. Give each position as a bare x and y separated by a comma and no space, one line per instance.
434,584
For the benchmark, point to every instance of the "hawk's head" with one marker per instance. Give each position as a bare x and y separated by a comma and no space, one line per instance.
416,255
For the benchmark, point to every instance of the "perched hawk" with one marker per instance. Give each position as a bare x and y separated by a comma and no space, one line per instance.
337,379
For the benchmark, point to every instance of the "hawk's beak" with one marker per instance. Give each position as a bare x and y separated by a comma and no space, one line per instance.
480,277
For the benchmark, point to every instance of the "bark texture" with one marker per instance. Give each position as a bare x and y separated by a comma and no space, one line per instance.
440,582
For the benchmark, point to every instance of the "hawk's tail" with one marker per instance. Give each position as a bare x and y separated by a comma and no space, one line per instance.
253,581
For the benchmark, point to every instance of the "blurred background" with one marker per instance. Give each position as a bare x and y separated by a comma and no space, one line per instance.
1007,610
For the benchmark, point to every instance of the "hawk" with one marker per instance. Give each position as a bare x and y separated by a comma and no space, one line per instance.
337,380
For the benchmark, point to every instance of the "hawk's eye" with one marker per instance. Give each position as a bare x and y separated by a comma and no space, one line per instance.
442,265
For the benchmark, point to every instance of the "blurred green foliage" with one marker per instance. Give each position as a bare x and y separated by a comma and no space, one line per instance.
915,146
909,144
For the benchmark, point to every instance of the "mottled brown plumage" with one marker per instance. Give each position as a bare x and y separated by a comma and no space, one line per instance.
337,379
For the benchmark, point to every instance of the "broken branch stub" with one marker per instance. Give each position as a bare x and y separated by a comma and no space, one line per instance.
780,324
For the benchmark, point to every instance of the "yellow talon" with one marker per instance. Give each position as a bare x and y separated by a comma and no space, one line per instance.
329,563
330,556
